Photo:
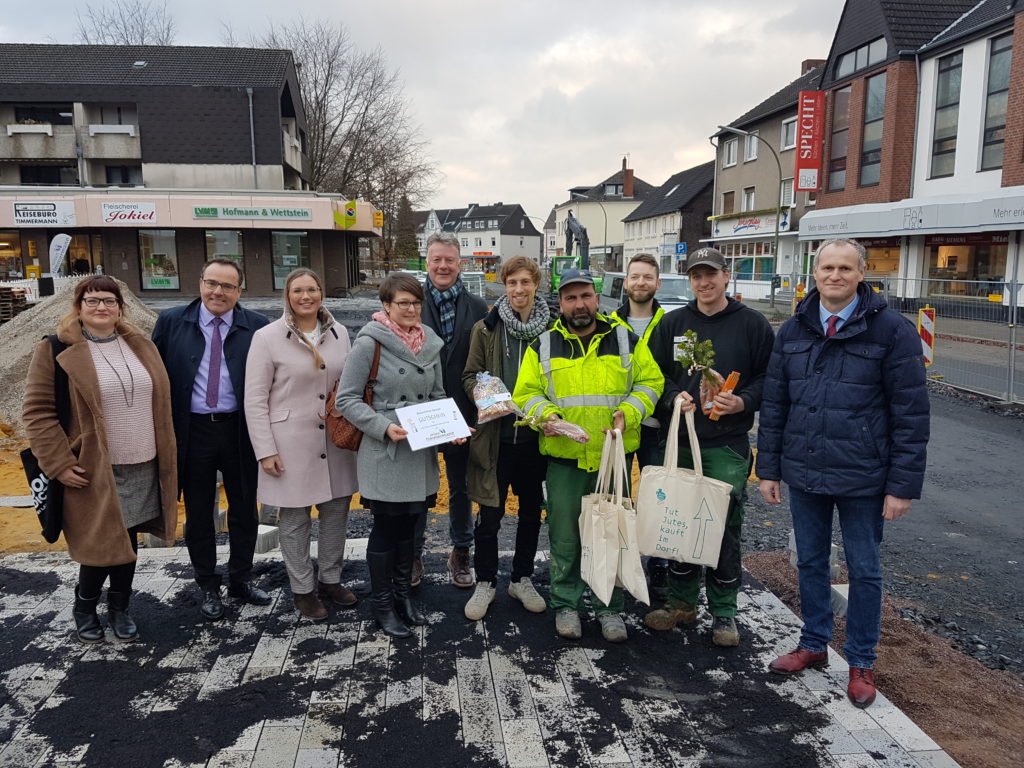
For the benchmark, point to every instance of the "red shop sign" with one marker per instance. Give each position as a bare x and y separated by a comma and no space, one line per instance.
810,128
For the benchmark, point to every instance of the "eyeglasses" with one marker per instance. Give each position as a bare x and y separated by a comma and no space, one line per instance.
403,305
92,301
213,285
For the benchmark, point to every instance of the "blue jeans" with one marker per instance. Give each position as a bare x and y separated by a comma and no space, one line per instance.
860,519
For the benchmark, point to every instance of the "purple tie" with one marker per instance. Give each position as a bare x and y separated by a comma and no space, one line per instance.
216,352
832,326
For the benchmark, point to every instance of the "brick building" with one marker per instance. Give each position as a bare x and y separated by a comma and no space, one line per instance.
155,158
924,144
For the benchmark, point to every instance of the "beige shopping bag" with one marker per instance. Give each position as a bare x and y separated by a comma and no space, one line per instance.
630,576
599,527
681,513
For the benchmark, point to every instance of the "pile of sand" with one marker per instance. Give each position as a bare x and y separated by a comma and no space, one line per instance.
18,339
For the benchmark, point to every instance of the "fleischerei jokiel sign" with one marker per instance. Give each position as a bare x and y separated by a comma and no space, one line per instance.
246,212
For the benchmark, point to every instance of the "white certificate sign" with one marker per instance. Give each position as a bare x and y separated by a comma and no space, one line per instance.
433,423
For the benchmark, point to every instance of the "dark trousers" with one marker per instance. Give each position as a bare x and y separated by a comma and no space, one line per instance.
460,511
214,446
91,577
522,467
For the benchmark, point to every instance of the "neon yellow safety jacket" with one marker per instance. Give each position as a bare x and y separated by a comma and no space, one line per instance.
615,372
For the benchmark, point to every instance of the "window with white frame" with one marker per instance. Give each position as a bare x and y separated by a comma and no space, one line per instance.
478,242
786,193
788,138
750,147
465,242
729,152
748,199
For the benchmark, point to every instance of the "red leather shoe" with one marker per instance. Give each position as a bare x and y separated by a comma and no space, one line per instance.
798,661
861,688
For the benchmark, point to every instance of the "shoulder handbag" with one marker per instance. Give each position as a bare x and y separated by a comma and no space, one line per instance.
48,493
343,432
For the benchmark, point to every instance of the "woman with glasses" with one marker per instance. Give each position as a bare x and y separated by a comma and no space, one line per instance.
396,483
293,363
116,458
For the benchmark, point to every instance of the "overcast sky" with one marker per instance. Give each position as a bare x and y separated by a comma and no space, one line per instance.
521,101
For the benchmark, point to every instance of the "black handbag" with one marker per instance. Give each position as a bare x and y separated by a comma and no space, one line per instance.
48,493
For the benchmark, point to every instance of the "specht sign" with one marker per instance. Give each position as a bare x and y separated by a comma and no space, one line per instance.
810,124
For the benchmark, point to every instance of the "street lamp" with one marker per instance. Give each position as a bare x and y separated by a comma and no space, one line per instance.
778,209
604,244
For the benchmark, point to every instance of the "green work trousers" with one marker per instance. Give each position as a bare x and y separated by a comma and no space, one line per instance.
566,486
723,583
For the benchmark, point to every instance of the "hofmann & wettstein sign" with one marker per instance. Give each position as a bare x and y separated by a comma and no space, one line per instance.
270,212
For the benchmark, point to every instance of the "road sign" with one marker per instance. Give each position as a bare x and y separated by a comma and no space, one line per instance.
926,329
681,248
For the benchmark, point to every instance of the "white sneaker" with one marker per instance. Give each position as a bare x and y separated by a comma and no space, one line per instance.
480,601
568,624
524,591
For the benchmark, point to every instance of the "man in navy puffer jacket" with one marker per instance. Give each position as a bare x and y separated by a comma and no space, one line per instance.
844,421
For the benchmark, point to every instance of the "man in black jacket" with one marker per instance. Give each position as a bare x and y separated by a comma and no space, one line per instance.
452,312
742,341
204,347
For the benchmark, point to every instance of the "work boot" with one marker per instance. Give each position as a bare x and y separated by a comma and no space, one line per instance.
524,591
417,572
402,575
657,570
124,627
338,594
861,688
613,628
87,624
724,632
568,625
674,613
309,605
458,567
798,661
480,601
382,594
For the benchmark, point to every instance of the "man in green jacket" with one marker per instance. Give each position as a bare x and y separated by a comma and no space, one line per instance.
600,376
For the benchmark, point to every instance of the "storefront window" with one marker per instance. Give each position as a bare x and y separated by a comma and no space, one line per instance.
84,254
883,256
226,244
288,250
158,260
966,265
752,260
10,255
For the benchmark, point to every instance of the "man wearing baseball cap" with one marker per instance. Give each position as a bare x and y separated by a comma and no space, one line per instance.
742,341
575,372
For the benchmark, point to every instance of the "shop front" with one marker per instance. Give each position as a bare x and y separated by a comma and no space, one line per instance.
748,243
970,266
157,242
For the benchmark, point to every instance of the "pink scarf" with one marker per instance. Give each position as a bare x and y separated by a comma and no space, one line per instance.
413,338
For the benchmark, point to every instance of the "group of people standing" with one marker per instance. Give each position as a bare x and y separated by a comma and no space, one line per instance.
222,389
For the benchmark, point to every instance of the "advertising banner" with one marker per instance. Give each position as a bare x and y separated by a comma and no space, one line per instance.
128,213
57,213
810,128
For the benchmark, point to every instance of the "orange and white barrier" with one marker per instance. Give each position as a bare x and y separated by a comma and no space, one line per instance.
926,330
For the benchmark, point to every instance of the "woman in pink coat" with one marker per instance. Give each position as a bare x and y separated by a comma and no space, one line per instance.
293,364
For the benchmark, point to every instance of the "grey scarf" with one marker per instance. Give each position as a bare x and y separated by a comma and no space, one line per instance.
533,327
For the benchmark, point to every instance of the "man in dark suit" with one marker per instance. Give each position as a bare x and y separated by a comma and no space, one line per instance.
204,347
452,312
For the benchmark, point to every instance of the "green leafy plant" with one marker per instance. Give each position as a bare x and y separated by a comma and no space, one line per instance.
697,356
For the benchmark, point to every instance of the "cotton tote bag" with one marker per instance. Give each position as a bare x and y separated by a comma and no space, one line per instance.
681,513
599,528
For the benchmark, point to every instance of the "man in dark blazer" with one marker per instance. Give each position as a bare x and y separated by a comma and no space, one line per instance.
452,312
204,347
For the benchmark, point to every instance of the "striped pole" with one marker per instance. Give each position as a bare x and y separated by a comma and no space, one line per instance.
926,330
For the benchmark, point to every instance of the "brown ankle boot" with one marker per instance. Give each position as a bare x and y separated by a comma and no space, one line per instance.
309,605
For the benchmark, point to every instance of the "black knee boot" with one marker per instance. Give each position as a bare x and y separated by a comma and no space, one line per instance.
382,594
87,623
404,605
117,615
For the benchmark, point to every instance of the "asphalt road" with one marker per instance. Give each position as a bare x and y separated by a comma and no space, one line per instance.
958,555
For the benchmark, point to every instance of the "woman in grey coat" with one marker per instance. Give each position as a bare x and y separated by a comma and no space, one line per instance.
395,483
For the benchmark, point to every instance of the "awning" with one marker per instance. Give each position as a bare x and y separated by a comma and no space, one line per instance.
998,210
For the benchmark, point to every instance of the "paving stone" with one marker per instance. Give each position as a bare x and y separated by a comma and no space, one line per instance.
934,759
231,759
317,758
882,746
277,747
902,729
524,746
